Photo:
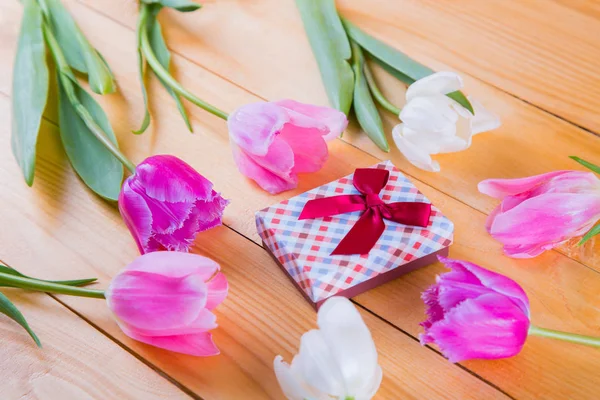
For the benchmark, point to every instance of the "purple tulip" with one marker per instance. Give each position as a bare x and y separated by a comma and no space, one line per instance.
475,313
166,203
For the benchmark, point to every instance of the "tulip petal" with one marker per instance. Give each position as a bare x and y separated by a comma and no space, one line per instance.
543,222
309,148
318,365
253,127
439,83
167,178
197,344
499,188
413,154
290,382
470,275
430,114
136,215
483,120
218,287
489,327
435,312
330,122
175,265
275,178
203,322
350,343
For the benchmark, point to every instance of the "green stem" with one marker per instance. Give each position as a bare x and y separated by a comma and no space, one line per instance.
166,77
568,337
385,103
48,287
67,78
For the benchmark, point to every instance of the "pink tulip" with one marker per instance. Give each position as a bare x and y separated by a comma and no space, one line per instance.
540,212
274,141
166,203
475,313
164,299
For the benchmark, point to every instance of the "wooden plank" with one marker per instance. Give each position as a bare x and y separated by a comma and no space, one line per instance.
76,361
75,234
529,142
207,151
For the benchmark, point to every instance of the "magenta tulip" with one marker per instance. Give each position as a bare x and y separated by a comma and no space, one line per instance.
540,212
475,313
274,141
165,299
166,203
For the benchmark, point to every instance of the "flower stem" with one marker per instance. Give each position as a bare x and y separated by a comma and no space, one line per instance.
48,287
385,103
166,77
568,337
67,79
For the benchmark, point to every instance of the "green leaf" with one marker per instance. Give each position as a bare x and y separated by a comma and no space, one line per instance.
94,163
364,106
586,164
8,308
331,48
592,232
179,5
141,26
77,49
29,89
161,51
408,69
77,282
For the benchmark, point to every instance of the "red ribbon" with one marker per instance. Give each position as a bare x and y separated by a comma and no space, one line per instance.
366,231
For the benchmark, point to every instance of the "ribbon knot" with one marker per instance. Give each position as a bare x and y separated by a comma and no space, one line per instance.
370,226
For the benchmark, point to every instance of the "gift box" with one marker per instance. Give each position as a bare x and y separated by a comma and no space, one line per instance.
312,235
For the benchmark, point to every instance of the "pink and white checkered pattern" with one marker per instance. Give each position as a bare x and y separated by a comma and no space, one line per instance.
304,247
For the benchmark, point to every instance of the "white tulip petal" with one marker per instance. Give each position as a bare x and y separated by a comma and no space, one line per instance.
438,83
416,155
369,392
461,141
317,364
290,384
483,120
350,343
430,114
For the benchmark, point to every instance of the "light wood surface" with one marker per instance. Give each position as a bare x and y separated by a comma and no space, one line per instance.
235,52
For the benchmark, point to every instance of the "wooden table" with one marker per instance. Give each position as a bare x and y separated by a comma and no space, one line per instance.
533,62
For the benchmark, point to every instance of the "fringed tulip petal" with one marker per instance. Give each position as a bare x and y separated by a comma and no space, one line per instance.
165,203
489,327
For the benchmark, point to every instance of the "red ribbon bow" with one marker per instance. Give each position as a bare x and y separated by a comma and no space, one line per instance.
370,226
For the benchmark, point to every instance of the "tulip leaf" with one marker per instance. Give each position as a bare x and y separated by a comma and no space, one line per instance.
364,106
331,48
141,25
586,164
179,5
8,308
592,232
77,49
408,69
161,51
76,282
29,89
94,163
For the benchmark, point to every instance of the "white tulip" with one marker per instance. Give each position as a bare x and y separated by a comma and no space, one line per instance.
336,361
433,123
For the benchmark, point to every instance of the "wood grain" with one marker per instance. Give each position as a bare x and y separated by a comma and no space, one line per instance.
86,237
264,315
530,141
76,362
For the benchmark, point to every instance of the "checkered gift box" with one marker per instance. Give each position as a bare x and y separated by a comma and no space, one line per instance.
303,247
